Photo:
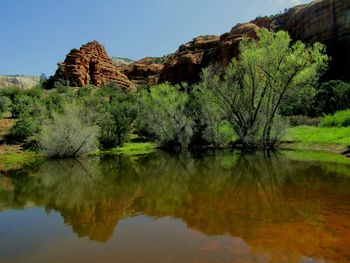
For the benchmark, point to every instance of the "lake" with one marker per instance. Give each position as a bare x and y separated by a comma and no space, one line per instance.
222,207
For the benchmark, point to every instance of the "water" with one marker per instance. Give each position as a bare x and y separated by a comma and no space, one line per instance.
221,207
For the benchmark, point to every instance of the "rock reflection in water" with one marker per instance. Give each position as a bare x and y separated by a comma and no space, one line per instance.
281,208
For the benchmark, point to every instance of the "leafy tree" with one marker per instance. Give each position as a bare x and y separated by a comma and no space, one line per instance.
250,91
163,114
117,120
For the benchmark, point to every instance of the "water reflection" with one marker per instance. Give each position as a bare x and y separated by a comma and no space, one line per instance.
276,205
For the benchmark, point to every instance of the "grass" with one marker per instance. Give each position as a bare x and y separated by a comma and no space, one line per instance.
318,138
131,149
13,158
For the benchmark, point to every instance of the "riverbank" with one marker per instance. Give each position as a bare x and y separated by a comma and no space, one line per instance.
330,139
308,138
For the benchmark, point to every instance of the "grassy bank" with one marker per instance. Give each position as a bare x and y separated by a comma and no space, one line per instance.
317,138
130,149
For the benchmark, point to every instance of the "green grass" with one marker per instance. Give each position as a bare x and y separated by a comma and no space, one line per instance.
131,149
339,119
16,160
320,138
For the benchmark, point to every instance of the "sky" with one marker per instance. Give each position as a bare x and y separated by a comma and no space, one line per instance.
37,34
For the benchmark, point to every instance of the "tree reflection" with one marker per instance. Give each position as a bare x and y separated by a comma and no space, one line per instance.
249,196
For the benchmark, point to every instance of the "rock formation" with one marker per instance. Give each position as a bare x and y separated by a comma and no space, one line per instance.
91,65
143,72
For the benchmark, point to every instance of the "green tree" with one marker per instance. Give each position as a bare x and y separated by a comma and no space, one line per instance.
163,114
250,91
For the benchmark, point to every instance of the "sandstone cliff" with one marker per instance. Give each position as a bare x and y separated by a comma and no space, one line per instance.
91,65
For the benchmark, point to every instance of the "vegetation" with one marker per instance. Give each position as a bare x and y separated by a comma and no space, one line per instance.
249,104
250,91
67,135
339,119
319,138
163,114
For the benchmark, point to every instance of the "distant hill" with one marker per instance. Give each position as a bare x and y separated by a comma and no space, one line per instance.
22,81
121,61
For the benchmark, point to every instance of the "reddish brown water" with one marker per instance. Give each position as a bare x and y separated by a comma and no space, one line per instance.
164,208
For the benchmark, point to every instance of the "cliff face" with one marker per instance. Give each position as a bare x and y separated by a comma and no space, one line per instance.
24,82
91,65
327,22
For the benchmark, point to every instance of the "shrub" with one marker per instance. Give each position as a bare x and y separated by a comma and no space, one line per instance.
5,104
163,114
332,96
339,119
116,123
23,129
303,120
67,135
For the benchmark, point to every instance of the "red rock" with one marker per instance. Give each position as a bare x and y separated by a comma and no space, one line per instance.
91,65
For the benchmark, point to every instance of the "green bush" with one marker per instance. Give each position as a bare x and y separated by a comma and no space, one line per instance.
339,119
163,114
5,104
117,120
67,135
332,96
24,128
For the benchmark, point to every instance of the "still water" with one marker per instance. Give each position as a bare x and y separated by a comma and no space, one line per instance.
218,207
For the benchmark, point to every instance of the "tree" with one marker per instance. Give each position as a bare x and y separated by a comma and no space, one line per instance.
250,91
163,114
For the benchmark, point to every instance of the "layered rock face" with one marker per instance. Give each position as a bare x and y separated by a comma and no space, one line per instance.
324,21
143,72
91,65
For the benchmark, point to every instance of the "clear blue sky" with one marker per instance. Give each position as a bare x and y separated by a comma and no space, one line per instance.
36,34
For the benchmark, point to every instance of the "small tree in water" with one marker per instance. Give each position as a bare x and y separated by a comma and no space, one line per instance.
250,91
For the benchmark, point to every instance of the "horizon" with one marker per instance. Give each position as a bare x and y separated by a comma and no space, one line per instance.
40,34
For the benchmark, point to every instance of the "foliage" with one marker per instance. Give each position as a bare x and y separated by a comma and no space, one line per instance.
163,114
339,119
250,91
303,120
117,120
24,128
332,96
67,135
5,104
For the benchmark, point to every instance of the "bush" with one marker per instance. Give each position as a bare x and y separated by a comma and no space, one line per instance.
163,114
303,120
67,135
117,120
332,96
339,119
24,128
5,104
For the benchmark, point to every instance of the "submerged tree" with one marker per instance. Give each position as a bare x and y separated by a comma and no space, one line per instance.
250,91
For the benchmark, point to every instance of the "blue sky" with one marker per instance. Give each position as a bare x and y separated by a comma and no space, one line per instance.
36,34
